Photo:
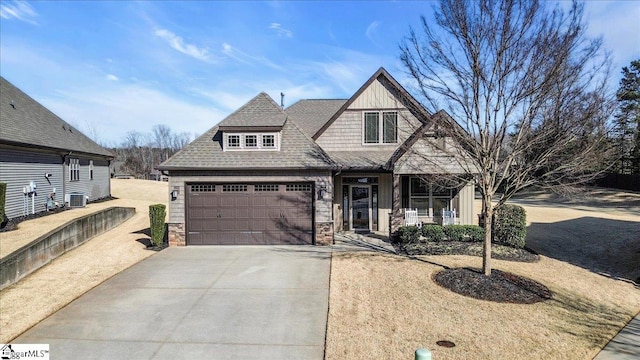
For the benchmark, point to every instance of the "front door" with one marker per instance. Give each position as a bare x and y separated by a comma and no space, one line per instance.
360,206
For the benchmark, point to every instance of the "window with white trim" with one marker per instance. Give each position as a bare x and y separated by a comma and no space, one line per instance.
428,198
251,141
380,127
233,141
74,169
268,141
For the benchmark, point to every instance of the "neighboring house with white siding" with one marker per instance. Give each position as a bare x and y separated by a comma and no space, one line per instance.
267,175
39,148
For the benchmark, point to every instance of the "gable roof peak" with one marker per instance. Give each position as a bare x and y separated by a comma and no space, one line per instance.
260,111
402,94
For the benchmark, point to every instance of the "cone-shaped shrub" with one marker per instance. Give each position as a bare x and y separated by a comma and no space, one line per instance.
157,214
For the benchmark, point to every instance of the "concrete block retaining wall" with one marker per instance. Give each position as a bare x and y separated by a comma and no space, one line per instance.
44,249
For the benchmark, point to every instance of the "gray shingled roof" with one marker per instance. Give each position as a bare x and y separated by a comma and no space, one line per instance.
361,160
24,121
261,110
311,115
297,150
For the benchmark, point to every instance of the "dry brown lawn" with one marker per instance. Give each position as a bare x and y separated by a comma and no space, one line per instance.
385,306
50,288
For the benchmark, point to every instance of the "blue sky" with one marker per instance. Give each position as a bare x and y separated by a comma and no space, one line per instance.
110,67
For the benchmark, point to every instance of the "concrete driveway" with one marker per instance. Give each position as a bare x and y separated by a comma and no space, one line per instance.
218,302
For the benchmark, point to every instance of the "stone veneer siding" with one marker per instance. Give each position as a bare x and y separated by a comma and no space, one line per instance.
177,236
324,233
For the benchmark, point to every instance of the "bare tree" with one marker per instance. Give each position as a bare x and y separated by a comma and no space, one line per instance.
526,90
162,138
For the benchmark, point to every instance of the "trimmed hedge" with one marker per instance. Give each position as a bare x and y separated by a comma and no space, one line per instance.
157,214
438,233
510,226
409,234
3,198
433,233
475,232
455,232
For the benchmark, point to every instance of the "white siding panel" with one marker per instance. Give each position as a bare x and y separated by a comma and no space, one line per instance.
18,168
97,188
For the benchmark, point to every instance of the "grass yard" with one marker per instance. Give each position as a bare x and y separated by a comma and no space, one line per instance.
385,306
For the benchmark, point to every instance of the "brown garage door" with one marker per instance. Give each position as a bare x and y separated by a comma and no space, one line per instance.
249,214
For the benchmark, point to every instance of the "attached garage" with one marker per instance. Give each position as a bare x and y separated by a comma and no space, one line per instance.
249,214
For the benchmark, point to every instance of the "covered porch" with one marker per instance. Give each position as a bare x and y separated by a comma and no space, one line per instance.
376,201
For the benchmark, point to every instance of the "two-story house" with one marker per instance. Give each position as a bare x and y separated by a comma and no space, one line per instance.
267,175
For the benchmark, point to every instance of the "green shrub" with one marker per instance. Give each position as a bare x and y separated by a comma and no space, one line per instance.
409,234
471,233
475,233
3,198
455,232
510,225
157,214
433,233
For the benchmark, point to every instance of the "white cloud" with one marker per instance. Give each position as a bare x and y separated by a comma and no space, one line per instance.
245,58
280,31
116,110
112,77
371,30
178,44
618,34
20,10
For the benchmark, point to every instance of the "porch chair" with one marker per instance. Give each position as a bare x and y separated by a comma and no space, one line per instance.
411,218
449,217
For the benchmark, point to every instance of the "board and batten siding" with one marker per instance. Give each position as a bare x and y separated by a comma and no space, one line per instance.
463,203
98,188
18,168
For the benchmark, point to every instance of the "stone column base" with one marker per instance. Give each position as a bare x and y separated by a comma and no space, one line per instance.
324,233
177,235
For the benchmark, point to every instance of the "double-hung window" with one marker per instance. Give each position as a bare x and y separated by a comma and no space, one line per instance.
380,127
74,169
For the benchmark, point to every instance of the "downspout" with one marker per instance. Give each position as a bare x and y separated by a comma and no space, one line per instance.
64,176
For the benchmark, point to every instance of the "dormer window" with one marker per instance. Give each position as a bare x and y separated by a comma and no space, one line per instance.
233,141
251,141
268,141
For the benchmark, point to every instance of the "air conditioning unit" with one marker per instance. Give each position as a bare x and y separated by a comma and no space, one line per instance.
75,200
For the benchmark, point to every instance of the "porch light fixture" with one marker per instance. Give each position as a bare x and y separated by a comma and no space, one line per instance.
174,195
322,192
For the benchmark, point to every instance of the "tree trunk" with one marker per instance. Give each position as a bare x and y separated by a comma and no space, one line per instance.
487,212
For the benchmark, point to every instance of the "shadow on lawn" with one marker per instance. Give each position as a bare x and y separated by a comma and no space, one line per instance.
604,246
583,318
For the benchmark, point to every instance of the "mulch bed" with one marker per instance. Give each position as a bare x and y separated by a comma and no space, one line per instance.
501,286
12,224
499,252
